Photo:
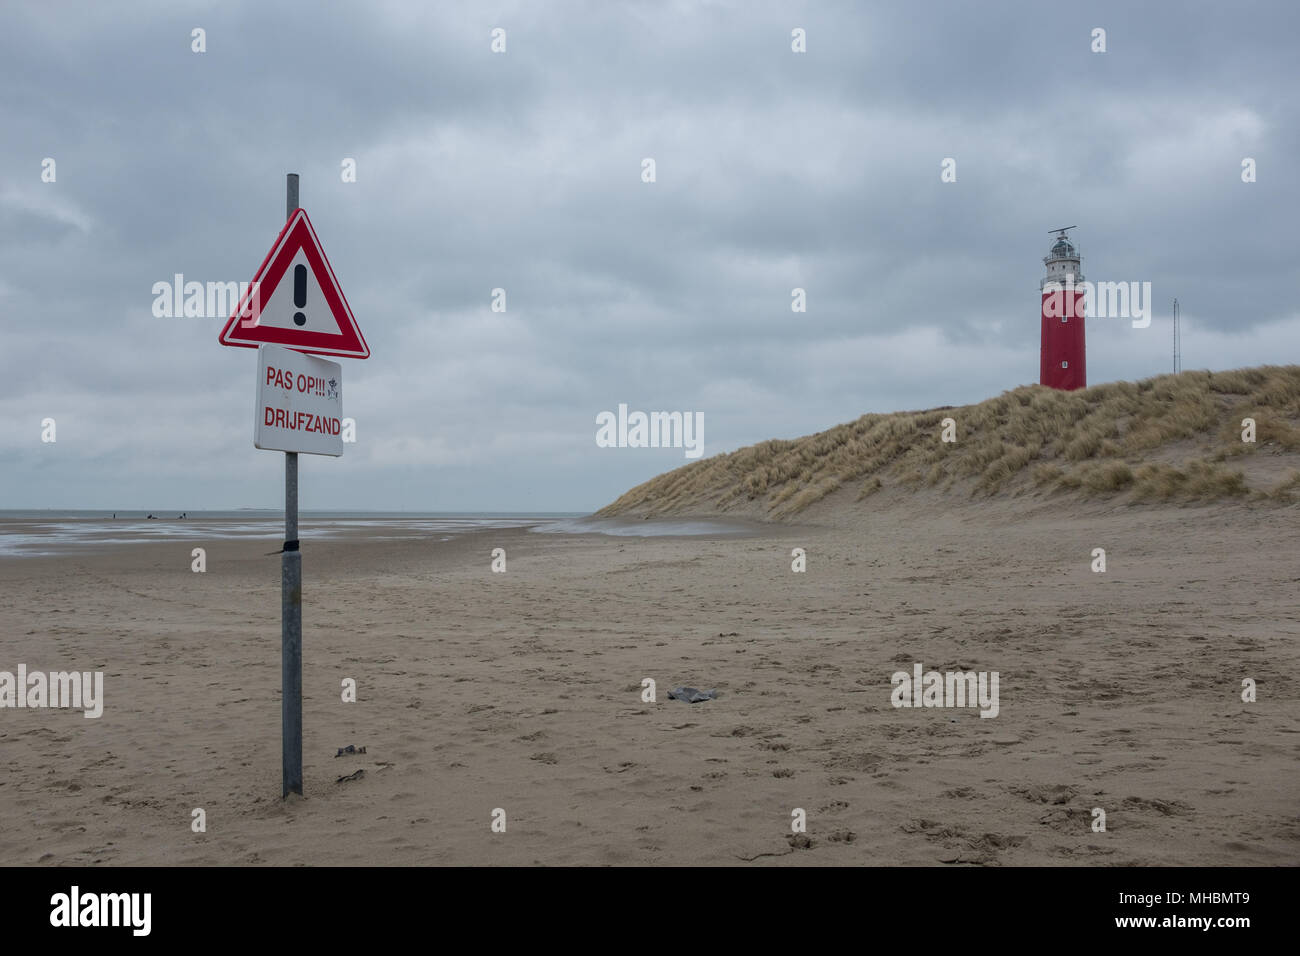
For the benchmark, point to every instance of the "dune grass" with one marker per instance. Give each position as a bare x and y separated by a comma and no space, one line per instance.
1104,441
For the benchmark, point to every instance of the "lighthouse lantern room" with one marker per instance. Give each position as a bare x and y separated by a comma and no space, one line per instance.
1063,360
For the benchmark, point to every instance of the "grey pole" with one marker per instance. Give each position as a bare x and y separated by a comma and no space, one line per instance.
291,604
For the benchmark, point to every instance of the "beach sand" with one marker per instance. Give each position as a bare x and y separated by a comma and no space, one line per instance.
522,691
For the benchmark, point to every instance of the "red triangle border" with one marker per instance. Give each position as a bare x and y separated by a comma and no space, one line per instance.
296,234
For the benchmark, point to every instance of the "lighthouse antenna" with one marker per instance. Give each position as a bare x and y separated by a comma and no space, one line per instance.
1061,231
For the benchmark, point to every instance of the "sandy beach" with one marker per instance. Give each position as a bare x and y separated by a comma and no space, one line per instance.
523,691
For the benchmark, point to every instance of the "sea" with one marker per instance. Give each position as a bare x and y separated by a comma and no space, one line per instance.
31,533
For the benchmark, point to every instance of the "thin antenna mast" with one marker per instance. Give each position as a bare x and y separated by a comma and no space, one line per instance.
1178,342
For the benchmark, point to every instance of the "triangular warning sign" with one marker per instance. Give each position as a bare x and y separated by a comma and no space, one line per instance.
295,300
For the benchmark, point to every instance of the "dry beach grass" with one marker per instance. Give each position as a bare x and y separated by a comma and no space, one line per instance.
1174,437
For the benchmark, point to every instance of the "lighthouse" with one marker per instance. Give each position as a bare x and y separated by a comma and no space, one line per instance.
1062,360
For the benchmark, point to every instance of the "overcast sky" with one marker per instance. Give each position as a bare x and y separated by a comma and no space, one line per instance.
522,170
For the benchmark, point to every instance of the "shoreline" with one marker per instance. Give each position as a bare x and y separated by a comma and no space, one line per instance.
23,538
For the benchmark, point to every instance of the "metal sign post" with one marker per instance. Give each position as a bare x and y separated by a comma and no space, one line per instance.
291,603
298,313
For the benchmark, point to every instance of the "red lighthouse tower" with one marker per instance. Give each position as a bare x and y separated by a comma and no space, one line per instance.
1063,359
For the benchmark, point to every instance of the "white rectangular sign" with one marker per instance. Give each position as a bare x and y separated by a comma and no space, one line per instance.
299,402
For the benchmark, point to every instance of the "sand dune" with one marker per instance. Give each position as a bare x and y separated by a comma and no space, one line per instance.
1169,438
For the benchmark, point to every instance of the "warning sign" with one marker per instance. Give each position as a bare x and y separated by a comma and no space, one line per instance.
295,300
299,403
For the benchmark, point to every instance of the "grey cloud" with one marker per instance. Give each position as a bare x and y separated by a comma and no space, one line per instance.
522,171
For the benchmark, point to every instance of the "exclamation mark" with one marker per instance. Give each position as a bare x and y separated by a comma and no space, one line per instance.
299,293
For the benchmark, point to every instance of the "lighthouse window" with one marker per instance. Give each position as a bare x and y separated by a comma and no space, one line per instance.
1065,365
1064,319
